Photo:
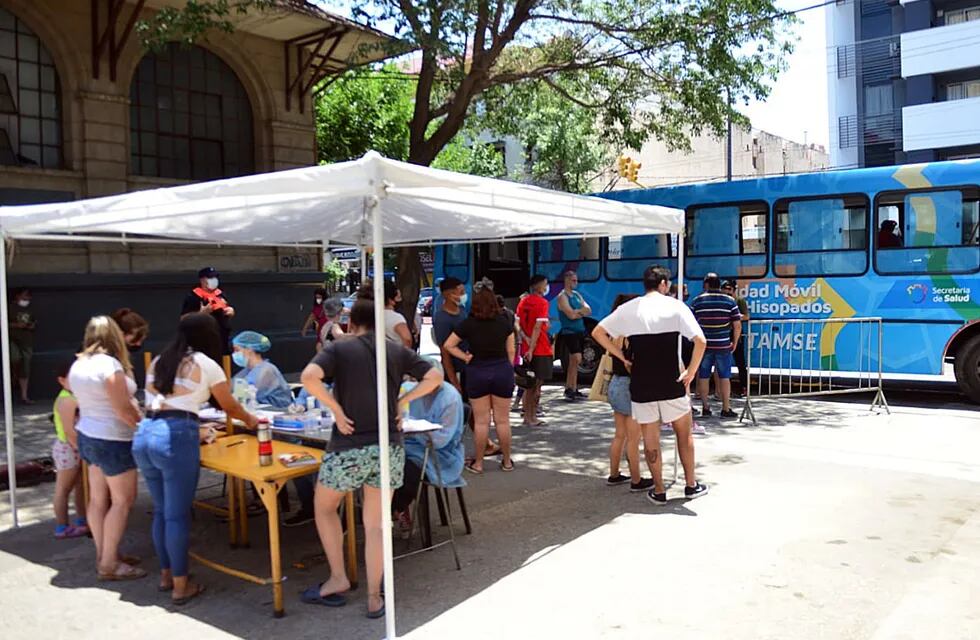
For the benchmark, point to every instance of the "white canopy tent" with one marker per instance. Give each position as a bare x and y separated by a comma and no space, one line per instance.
370,202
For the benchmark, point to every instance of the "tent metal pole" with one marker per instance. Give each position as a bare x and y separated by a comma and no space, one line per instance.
680,296
381,368
8,401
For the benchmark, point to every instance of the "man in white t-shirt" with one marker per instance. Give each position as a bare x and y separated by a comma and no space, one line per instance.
653,325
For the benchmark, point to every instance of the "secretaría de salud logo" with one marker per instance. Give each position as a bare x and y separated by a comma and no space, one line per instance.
918,292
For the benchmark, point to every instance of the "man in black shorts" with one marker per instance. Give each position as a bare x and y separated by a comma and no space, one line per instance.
573,309
532,314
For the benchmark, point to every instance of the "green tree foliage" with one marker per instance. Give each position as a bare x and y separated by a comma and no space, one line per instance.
364,110
334,273
369,109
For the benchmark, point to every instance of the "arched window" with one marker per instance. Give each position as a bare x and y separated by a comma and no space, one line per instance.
189,117
30,98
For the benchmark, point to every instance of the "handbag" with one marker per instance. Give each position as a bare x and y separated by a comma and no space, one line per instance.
603,376
524,376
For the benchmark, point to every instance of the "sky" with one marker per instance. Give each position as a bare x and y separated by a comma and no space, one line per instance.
797,107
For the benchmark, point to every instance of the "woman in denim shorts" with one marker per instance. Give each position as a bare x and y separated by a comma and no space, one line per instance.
627,430
102,380
353,458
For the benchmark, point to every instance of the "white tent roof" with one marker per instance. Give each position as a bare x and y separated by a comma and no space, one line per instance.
421,206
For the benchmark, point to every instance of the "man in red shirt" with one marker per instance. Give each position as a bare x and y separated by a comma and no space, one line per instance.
532,313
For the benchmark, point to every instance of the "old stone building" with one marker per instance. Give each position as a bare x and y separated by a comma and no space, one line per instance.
86,111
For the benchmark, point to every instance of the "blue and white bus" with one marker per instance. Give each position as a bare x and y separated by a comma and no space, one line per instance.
815,245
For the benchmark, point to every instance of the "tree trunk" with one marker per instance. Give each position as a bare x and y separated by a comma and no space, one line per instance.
409,282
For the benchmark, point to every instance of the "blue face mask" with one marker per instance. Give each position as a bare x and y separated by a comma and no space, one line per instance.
239,358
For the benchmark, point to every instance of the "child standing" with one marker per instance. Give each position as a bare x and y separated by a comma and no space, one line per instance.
67,464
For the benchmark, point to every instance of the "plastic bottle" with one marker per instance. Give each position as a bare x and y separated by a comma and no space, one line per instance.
264,436
250,402
239,390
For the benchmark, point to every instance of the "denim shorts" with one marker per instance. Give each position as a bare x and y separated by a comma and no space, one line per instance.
619,395
112,456
490,378
351,469
720,359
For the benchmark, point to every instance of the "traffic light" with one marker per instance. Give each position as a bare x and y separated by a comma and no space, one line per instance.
624,164
634,171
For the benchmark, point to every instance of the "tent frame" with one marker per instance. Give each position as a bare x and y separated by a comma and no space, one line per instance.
373,212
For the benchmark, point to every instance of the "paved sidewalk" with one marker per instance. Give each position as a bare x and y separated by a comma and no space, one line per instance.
823,522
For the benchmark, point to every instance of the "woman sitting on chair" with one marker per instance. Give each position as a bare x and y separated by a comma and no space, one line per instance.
271,387
445,407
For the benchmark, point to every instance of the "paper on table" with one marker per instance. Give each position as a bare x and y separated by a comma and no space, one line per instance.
411,425
210,414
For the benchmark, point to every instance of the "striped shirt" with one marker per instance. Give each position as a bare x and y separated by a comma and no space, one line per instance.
715,312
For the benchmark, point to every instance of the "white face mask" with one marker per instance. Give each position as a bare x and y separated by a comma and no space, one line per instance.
463,299
212,283
24,303
318,300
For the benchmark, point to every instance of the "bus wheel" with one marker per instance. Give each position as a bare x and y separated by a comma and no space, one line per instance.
591,355
967,368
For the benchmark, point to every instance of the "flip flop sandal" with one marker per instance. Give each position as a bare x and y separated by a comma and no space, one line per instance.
312,596
167,589
129,573
190,596
377,613
474,470
507,469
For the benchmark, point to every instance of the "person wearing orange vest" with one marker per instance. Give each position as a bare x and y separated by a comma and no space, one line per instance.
208,298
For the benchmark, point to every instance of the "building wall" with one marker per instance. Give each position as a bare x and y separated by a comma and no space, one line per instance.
841,84
271,288
755,153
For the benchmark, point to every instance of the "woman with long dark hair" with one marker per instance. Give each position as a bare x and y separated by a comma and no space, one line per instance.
353,459
317,318
627,434
489,372
167,443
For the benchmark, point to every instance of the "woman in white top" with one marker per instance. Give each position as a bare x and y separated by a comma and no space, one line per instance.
102,380
167,444
396,327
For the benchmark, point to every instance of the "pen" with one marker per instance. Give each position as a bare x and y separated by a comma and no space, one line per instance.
237,442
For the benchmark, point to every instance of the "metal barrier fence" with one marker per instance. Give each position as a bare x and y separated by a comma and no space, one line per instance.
810,357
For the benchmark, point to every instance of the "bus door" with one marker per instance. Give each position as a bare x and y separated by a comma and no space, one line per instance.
507,264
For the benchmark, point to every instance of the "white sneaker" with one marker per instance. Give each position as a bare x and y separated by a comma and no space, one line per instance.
697,429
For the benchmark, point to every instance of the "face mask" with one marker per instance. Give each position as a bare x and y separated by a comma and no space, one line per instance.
212,283
318,300
239,359
463,299
24,303
134,348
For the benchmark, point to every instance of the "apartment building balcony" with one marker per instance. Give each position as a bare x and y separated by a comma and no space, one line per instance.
939,125
941,49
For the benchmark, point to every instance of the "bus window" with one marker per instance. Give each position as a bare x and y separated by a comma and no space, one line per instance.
826,236
729,240
927,231
628,256
457,261
553,258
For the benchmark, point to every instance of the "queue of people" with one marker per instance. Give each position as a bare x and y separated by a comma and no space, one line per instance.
484,350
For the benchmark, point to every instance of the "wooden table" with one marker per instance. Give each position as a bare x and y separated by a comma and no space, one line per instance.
240,462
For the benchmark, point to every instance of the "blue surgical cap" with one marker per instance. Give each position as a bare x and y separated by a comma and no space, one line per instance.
252,340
